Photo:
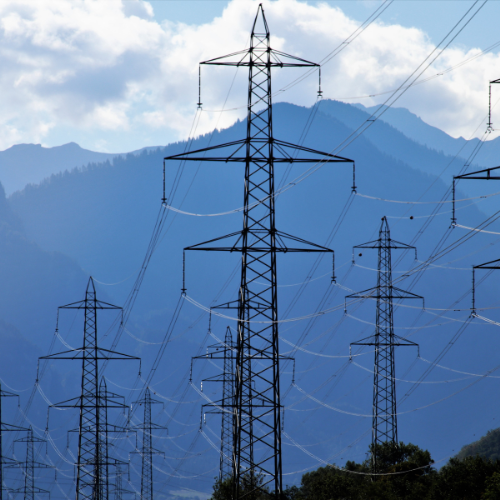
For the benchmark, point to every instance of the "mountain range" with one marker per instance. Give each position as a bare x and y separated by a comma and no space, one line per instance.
96,215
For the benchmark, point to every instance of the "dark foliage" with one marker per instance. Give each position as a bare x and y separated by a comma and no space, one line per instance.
405,472
487,447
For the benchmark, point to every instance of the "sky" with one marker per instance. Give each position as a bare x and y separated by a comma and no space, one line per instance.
118,75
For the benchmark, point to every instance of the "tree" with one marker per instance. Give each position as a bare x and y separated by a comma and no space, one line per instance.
251,485
406,473
465,479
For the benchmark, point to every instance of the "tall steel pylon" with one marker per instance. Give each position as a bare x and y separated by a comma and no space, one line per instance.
384,419
147,427
119,489
224,351
90,483
4,427
487,174
257,412
30,465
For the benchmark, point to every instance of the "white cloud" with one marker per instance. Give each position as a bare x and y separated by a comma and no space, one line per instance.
93,67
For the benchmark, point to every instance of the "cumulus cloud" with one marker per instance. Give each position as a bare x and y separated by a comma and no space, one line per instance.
100,67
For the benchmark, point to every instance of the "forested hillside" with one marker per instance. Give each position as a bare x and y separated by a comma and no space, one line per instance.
99,221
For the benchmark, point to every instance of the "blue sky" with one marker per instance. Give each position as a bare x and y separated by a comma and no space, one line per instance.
122,74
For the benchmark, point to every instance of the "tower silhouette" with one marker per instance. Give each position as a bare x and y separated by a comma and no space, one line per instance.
91,482
5,427
30,465
384,420
224,351
147,427
257,404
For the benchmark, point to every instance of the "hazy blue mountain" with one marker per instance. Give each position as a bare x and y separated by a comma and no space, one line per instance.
31,163
102,218
34,283
415,128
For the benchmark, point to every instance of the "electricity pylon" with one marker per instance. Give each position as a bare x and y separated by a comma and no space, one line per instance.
119,489
4,427
31,464
224,351
107,400
487,174
90,483
257,410
147,427
384,420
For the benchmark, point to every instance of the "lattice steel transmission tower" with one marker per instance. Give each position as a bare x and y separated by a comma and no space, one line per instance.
147,427
4,427
384,420
487,174
90,483
31,464
119,489
224,351
257,410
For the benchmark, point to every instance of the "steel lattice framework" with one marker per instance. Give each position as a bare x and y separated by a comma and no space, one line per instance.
257,410
384,420
224,351
487,174
103,451
226,433
29,490
147,427
91,467
4,427
119,489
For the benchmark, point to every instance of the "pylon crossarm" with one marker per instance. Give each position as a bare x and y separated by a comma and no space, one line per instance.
477,175
375,244
402,294
10,462
30,439
313,247
35,490
369,244
211,355
488,265
118,428
68,403
372,341
99,304
187,155
7,394
200,246
328,157
234,304
219,378
111,395
216,60
402,342
281,146
369,293
277,63
397,245
90,353
40,465
12,428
